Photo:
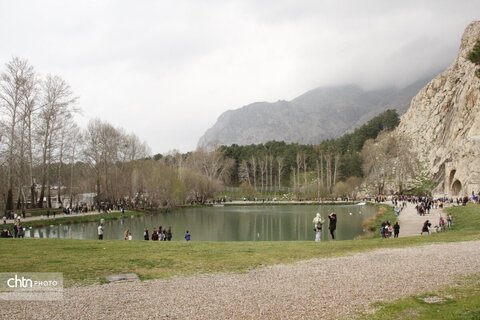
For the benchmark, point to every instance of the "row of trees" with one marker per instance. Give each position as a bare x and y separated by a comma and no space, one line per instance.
43,151
44,155
35,114
308,169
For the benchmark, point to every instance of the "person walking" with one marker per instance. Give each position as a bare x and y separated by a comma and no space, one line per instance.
396,230
317,227
332,225
425,227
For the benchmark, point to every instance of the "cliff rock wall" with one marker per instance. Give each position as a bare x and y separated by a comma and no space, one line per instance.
444,123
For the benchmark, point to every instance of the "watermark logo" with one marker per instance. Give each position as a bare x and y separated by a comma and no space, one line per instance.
43,286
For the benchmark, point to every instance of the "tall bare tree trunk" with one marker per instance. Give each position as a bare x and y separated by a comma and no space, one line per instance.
60,165
322,176
305,168
280,171
335,169
271,173
294,179
253,162
298,162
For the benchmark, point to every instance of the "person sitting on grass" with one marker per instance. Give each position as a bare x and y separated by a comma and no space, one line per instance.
155,236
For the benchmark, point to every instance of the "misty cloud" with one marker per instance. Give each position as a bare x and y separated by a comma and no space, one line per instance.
166,70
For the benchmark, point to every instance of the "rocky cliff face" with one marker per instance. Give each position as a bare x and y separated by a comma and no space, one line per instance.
317,115
444,123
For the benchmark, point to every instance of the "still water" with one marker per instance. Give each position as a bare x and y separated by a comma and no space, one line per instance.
228,223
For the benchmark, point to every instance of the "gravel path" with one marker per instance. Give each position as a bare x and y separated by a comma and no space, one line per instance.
330,288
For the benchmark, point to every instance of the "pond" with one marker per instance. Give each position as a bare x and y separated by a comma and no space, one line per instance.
226,223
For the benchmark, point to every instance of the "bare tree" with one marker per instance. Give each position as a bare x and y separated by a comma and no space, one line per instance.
58,104
336,163
270,160
74,142
101,152
244,172
253,165
30,107
262,166
13,82
304,167
299,163
280,168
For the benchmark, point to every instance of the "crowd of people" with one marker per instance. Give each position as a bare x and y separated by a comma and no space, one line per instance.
387,230
160,234
424,205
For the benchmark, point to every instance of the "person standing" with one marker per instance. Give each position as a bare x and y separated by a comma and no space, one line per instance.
332,225
396,229
317,226
449,220
100,231
21,232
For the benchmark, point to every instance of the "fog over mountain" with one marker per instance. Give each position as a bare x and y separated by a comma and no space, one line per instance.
316,115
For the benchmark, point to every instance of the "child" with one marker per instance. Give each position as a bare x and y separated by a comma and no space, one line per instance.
187,236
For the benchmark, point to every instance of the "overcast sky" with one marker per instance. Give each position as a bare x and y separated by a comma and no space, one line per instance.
166,70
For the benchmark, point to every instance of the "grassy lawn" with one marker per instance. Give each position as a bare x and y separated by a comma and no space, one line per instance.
461,301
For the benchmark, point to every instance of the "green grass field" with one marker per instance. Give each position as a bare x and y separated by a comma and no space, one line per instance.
460,301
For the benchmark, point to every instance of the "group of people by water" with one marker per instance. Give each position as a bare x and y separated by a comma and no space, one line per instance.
18,229
387,230
160,234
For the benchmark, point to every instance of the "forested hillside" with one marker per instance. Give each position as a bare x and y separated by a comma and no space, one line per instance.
275,165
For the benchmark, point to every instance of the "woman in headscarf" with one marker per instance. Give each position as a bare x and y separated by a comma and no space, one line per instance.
317,226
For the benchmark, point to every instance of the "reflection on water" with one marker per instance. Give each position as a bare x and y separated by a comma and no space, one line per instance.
228,223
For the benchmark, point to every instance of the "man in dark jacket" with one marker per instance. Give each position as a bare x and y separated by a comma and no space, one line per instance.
332,226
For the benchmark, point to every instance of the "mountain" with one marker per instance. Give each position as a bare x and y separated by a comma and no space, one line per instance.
317,115
443,123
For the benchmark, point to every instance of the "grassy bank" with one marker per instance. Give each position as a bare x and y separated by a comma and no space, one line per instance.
460,301
372,224
86,262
